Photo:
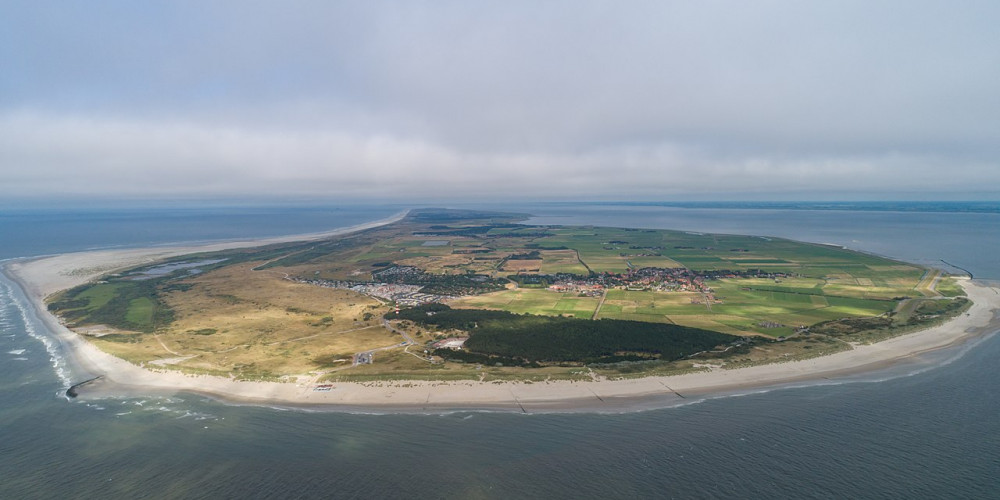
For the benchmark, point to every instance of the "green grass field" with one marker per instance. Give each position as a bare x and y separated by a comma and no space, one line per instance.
140,311
532,301
601,249
742,310
948,287
99,295
125,304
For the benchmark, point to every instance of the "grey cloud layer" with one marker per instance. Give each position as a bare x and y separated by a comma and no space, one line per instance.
604,99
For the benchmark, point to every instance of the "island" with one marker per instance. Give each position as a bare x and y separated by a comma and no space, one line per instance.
438,309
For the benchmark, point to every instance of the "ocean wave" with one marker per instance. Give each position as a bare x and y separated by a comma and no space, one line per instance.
168,406
26,316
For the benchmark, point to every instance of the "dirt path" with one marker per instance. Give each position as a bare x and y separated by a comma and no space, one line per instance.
171,351
600,304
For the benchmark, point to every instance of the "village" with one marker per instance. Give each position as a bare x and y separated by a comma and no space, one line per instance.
400,294
645,279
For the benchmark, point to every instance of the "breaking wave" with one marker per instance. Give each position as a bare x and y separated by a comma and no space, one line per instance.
12,299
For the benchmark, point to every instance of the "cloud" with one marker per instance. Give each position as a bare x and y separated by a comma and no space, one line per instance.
87,156
595,99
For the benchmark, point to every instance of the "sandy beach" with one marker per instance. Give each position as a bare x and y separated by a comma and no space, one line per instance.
41,277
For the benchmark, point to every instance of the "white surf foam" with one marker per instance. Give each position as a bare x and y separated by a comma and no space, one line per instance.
7,296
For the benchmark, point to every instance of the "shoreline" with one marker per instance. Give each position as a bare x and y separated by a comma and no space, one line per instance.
41,276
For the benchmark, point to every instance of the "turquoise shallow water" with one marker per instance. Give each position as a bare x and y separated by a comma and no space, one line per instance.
921,431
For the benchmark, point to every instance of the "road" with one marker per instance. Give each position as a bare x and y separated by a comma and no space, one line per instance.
406,336
600,304
368,357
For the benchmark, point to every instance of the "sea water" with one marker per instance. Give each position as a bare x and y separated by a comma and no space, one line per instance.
924,430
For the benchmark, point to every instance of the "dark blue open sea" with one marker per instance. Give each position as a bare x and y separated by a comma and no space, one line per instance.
930,429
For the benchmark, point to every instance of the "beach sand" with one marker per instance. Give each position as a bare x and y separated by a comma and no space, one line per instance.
44,276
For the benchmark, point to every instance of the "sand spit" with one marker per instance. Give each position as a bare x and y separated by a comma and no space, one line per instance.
44,276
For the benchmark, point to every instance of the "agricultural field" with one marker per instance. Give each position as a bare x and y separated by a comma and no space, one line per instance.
532,301
741,310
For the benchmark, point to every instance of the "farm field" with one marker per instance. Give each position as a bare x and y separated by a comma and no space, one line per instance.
532,301
738,310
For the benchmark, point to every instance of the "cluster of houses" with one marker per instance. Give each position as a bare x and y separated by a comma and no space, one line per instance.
403,295
394,272
706,299
593,290
669,279
654,278
648,278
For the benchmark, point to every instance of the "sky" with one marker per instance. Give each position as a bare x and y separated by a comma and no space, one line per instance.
465,100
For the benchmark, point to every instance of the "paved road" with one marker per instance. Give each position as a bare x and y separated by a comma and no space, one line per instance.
406,336
367,357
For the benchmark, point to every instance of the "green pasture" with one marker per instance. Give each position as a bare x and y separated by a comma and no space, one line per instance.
601,248
140,311
740,311
99,295
949,287
532,301
561,261
129,305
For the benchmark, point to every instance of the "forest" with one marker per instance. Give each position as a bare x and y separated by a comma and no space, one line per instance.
560,339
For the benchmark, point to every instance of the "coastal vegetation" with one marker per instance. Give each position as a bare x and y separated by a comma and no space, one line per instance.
123,305
533,302
547,339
